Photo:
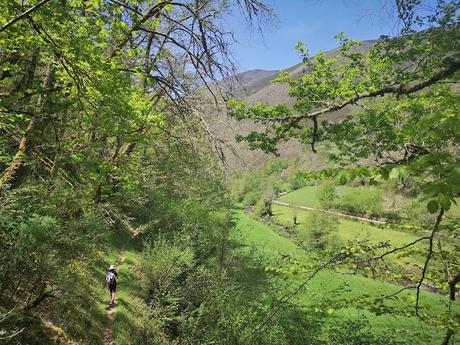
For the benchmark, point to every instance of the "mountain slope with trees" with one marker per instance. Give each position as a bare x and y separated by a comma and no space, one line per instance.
105,132
406,130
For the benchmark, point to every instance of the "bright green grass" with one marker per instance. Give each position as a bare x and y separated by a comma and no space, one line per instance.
94,295
255,235
307,196
348,229
131,311
329,286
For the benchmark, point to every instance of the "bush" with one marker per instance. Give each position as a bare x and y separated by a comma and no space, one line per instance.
296,180
319,232
163,263
264,207
361,200
327,195
251,198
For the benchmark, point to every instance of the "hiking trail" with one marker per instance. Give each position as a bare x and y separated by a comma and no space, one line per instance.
108,333
307,208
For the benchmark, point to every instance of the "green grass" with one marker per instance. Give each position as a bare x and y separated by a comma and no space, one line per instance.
348,229
329,287
307,196
304,196
254,235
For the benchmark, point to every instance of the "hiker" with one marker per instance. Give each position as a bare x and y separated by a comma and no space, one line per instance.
111,281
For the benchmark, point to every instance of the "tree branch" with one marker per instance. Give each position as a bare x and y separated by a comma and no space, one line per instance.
154,10
379,257
23,15
427,260
449,334
286,298
452,284
399,90
315,133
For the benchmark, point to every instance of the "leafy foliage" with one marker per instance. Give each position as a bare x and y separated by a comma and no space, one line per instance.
101,131
318,233
402,125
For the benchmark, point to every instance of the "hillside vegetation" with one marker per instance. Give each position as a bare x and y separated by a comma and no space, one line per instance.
119,147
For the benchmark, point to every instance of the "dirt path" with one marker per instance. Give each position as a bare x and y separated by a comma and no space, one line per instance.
108,333
326,211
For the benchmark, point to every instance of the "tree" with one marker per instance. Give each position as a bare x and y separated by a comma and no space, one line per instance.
98,122
405,114
317,232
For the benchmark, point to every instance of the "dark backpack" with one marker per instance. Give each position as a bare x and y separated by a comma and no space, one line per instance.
111,278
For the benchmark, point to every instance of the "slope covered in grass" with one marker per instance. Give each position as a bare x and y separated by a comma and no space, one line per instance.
328,290
308,196
348,229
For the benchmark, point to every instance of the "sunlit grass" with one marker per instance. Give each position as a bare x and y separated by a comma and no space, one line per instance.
329,287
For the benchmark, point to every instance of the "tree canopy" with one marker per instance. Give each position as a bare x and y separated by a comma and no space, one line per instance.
403,118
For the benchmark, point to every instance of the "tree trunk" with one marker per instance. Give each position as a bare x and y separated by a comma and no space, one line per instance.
13,173
448,336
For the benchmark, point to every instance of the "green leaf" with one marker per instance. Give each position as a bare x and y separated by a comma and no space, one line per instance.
394,174
432,206
444,201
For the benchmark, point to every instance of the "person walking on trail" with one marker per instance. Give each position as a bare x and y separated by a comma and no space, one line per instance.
111,281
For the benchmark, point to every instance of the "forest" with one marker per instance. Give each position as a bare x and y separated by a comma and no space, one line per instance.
327,214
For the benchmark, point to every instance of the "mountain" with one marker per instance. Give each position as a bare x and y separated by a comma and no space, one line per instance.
257,86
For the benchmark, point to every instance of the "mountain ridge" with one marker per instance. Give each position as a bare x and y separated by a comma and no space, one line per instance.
255,86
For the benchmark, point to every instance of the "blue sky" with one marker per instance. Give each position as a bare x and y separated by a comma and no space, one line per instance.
314,22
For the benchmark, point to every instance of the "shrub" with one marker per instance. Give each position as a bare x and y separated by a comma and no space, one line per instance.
361,200
163,263
296,180
264,207
251,198
318,232
327,195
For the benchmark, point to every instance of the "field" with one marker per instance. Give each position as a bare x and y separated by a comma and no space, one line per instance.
308,196
328,288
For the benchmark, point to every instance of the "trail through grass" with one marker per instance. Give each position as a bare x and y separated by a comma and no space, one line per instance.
128,317
120,317
307,196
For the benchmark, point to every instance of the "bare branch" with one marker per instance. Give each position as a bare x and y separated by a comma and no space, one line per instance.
427,260
154,10
126,6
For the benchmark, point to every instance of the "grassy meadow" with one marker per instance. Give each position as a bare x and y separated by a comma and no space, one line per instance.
329,287
390,201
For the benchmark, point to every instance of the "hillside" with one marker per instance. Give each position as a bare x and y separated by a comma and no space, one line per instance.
256,86
119,225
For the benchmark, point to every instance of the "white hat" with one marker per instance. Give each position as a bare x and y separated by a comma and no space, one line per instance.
112,267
